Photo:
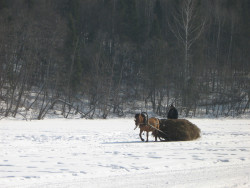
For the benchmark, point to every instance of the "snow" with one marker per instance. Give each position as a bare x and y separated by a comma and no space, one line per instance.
109,153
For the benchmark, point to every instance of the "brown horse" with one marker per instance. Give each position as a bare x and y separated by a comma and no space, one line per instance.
149,125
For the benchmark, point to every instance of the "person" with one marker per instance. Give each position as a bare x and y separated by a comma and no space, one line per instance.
172,113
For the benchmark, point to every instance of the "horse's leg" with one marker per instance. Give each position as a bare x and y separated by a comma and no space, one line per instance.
157,132
140,135
147,136
155,136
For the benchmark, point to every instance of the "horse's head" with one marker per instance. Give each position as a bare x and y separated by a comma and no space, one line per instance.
139,119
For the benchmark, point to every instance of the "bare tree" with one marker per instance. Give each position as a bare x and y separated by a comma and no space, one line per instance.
187,29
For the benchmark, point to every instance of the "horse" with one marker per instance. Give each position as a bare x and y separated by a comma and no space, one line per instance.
149,125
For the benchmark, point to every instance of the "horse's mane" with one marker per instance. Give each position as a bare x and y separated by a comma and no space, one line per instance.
137,115
145,115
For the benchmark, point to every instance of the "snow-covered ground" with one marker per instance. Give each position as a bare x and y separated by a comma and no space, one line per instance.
109,153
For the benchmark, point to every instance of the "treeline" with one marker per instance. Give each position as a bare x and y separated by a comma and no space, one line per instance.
102,57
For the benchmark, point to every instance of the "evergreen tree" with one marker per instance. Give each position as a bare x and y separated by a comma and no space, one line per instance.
156,29
129,22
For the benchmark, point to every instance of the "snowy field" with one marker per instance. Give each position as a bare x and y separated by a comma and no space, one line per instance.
109,153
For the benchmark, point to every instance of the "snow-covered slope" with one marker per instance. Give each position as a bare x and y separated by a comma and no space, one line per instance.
109,153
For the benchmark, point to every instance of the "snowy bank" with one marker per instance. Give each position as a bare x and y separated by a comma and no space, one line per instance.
109,153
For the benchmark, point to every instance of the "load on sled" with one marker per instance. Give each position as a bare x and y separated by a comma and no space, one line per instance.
177,130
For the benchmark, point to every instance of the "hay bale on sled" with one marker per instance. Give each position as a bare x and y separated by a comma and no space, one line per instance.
177,130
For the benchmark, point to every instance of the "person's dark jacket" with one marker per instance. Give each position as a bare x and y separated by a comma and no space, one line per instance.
172,113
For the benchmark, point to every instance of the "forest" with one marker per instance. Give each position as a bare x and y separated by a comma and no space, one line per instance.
101,58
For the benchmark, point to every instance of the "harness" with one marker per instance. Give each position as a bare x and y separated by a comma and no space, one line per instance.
146,123
157,129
